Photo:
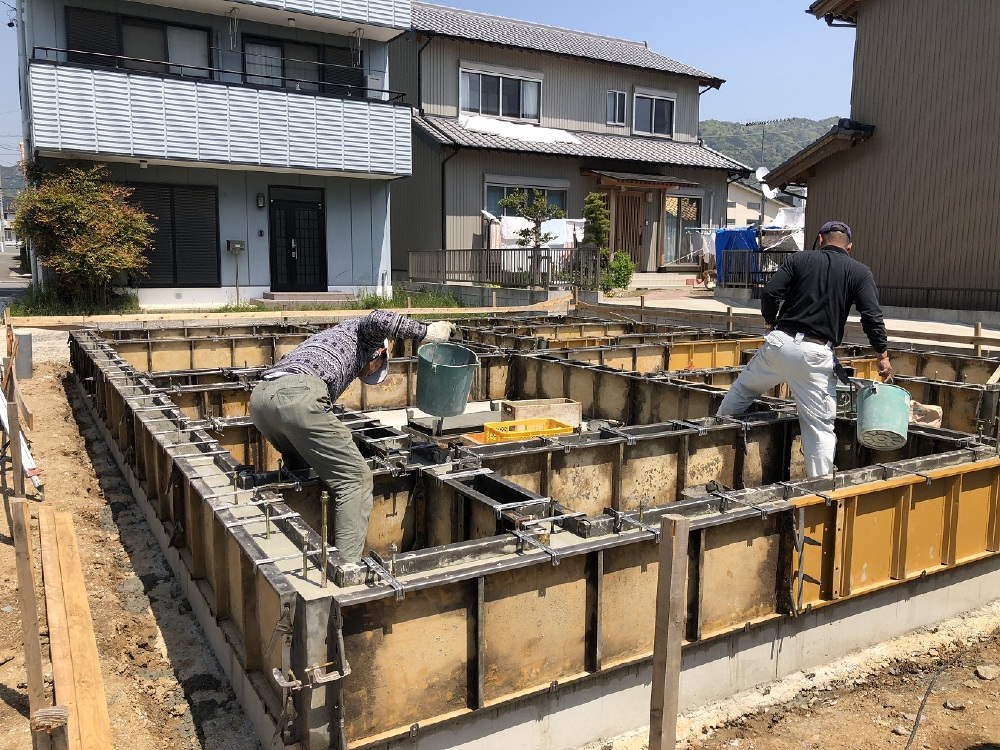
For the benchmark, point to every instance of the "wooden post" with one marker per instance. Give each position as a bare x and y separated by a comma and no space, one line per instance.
729,319
494,299
978,347
669,632
14,447
21,531
642,308
409,303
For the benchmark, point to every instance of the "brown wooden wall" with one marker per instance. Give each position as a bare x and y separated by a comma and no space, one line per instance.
923,195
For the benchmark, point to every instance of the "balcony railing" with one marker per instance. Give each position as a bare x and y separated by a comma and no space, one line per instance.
512,267
185,115
258,70
749,269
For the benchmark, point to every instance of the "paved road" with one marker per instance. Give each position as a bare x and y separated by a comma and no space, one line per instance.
11,282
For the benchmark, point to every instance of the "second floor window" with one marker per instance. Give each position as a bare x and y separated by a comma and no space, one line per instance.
303,67
500,95
107,39
616,108
753,206
731,204
653,115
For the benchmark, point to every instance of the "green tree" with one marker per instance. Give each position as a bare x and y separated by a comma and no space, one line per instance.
597,230
84,231
536,211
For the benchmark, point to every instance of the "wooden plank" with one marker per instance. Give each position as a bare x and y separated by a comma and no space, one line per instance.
14,449
281,317
21,531
669,632
55,608
92,704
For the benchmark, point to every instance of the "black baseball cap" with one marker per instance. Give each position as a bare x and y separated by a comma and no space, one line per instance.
835,226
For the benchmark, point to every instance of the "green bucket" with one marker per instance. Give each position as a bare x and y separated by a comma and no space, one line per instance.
883,416
444,378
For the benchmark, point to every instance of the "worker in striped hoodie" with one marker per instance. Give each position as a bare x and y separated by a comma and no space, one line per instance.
292,406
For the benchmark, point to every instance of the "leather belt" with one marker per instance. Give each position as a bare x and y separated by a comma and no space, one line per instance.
810,339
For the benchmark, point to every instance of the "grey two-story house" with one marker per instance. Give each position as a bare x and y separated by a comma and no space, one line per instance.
502,105
263,127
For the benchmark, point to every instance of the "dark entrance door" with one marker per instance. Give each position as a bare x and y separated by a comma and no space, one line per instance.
298,240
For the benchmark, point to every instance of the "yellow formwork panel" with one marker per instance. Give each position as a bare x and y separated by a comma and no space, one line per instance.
973,515
704,355
923,531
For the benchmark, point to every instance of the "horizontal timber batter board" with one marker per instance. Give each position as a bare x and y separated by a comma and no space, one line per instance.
473,547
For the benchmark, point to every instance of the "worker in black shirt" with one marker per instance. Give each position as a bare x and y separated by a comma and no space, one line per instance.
815,291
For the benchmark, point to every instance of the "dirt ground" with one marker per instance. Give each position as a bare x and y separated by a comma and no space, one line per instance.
164,687
166,690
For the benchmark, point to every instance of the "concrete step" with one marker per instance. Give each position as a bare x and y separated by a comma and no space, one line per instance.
310,296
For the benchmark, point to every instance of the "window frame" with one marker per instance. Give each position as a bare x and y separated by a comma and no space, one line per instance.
624,105
177,284
754,206
524,183
501,73
122,19
654,96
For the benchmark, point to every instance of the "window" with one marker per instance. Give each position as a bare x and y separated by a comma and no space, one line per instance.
753,206
731,204
730,222
97,38
303,67
496,193
680,214
653,115
185,244
616,108
500,95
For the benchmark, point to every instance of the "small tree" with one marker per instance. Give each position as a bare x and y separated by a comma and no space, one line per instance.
536,211
84,231
597,229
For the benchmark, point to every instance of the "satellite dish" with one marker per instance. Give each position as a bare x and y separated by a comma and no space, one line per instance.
769,192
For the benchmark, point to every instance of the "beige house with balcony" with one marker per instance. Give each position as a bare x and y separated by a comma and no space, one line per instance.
265,128
504,105
743,208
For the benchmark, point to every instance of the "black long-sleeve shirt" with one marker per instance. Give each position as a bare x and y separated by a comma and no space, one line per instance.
816,289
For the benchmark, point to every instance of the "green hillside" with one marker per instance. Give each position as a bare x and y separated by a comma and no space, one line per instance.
11,180
782,139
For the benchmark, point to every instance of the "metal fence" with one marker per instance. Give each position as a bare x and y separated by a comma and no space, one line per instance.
519,268
749,268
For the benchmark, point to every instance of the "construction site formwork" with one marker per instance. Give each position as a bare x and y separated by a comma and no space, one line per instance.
517,580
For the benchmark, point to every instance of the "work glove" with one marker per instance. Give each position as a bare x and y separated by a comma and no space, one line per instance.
442,331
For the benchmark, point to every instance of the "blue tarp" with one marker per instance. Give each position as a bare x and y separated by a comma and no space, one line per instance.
735,239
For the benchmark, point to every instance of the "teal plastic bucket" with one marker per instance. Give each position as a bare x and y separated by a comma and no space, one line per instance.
883,416
444,378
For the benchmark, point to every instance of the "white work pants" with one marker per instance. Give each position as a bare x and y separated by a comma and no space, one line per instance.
808,370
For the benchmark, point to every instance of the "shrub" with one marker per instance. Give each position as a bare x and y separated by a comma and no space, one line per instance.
536,211
618,274
84,232
37,301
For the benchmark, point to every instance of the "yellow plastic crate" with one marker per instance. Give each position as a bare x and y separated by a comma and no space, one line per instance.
524,429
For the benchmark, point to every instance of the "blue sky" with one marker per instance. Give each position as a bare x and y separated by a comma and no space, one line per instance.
777,60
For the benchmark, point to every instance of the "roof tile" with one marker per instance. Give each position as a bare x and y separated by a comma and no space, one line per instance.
465,24
448,131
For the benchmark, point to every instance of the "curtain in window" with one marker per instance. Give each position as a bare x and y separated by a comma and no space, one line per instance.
188,47
530,95
263,63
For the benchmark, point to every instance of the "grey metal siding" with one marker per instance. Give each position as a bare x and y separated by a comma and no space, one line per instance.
403,58
923,193
574,92
416,206
78,110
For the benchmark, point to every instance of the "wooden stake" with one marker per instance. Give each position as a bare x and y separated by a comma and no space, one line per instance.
494,299
642,308
669,632
978,346
14,448
729,319
21,531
